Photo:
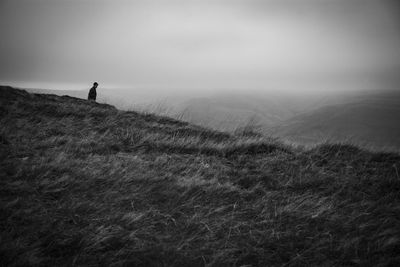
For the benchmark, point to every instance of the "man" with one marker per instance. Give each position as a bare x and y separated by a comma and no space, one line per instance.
92,93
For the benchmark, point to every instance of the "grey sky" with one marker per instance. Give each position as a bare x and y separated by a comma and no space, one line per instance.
201,43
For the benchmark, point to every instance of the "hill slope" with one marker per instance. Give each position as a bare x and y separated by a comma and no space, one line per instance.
371,119
86,184
230,111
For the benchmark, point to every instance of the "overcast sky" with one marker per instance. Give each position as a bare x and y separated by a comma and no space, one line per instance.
198,44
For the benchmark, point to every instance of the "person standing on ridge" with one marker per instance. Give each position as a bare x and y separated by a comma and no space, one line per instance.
92,93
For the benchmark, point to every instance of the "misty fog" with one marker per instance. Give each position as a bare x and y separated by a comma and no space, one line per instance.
201,45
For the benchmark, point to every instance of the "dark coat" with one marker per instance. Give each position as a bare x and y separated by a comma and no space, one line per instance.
92,94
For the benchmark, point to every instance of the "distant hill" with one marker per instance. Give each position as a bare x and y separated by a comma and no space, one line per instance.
228,111
371,119
86,184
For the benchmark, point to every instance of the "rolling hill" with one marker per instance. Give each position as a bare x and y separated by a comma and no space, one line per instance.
86,184
229,111
370,120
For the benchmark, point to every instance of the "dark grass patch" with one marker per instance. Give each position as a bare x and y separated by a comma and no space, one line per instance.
3,111
203,134
3,140
255,148
341,151
210,148
388,158
163,120
10,93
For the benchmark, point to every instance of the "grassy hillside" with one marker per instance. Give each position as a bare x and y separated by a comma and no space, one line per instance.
86,184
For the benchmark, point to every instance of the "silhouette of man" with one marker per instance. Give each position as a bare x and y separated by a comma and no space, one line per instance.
92,93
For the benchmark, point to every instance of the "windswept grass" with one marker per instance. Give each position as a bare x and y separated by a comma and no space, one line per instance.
85,184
